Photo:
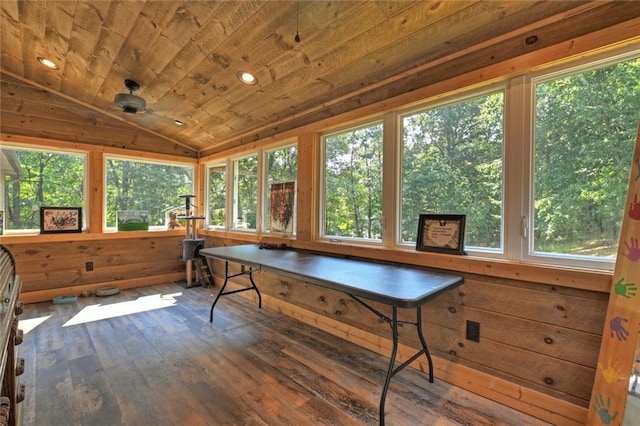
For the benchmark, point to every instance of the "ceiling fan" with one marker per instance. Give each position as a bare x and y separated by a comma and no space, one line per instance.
130,103
133,104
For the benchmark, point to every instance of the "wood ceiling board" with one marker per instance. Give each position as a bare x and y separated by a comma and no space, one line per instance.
10,42
573,25
185,54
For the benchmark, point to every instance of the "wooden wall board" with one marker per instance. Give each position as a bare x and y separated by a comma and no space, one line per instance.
513,334
58,265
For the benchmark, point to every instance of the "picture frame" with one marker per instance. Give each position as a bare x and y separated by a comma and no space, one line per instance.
282,197
57,220
442,233
132,220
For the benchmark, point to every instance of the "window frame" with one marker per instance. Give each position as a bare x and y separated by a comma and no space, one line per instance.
207,192
265,192
321,214
233,193
120,157
527,253
460,96
61,151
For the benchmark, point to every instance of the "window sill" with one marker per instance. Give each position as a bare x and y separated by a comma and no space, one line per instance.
85,236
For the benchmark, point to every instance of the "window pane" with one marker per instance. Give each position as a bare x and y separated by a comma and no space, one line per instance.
584,132
33,179
280,197
245,190
217,195
452,164
353,183
152,187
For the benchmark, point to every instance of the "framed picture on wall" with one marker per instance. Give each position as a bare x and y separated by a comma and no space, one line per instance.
55,220
443,233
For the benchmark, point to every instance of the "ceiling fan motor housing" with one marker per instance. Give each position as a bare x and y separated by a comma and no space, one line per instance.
129,102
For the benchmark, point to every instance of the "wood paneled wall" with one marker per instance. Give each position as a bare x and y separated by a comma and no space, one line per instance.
537,336
55,268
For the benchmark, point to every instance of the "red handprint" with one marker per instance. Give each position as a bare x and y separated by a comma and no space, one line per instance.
634,208
634,250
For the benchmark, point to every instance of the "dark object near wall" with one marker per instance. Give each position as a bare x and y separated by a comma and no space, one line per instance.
10,337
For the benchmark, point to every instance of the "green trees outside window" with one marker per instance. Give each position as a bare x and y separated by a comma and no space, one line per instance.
585,127
353,183
245,192
281,166
452,163
36,178
217,193
140,185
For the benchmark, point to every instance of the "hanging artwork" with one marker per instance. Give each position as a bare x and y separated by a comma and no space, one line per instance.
282,206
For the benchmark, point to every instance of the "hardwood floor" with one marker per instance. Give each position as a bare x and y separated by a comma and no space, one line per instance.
150,356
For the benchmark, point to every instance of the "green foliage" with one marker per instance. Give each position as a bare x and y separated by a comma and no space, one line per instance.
585,129
47,179
452,163
137,185
282,166
353,183
217,195
246,191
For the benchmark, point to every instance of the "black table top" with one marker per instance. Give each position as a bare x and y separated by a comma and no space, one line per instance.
401,286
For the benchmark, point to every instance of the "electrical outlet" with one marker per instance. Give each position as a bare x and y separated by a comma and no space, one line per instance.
473,331
88,266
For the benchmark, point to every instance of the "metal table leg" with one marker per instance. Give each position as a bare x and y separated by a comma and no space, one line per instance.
391,371
226,280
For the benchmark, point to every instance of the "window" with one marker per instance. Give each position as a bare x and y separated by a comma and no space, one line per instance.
217,195
585,127
452,164
34,178
352,199
281,172
245,192
151,187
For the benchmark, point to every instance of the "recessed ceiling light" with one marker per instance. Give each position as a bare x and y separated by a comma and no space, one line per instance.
247,78
179,123
47,63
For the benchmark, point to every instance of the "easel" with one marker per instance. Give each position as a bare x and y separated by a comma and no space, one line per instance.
618,348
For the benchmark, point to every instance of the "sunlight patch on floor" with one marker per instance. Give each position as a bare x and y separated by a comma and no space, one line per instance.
142,304
26,325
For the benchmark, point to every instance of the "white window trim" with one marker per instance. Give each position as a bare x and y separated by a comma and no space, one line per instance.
527,253
234,195
265,191
85,183
207,191
440,102
119,157
322,236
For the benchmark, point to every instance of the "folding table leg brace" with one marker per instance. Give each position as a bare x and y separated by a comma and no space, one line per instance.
226,280
391,371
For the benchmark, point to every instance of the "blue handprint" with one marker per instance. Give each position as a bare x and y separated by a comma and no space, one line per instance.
603,411
618,329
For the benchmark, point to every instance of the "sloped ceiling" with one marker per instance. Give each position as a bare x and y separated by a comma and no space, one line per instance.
185,55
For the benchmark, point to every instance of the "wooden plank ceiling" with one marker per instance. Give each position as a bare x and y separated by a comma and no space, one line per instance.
185,55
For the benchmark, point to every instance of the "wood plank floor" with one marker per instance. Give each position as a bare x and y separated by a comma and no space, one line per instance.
150,356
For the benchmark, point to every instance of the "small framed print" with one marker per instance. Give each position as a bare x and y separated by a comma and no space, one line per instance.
443,233
55,220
